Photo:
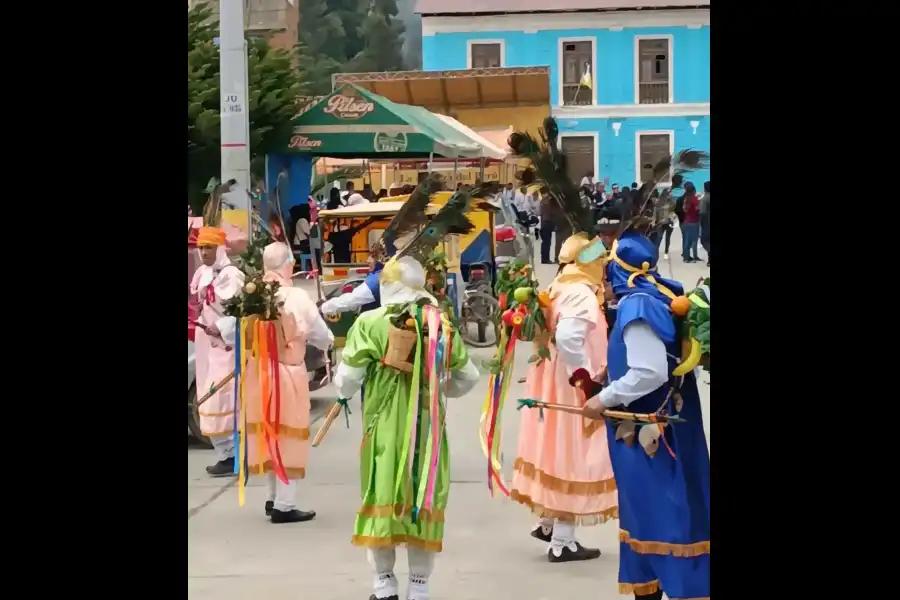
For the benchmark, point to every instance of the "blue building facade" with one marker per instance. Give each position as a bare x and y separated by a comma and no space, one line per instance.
648,73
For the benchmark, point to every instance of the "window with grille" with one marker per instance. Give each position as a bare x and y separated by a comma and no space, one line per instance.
577,60
652,148
579,153
653,74
486,56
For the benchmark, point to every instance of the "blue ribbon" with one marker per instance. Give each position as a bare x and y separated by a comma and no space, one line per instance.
237,378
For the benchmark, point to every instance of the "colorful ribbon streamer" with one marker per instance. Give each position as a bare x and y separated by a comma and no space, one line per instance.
490,430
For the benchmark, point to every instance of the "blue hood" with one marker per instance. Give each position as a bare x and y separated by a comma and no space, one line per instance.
635,250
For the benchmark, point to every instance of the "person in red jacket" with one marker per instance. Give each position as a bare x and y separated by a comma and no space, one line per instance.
690,225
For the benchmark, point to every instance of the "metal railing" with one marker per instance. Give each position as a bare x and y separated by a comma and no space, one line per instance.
576,95
653,92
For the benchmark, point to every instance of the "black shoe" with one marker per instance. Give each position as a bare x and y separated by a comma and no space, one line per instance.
657,595
374,597
291,516
538,533
580,553
270,506
223,468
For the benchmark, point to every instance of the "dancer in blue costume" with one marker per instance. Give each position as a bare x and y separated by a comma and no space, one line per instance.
662,474
365,296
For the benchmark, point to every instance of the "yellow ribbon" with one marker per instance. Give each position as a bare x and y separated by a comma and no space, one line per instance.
635,272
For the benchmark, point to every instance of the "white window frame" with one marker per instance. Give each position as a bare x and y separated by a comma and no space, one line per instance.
637,151
470,43
637,64
593,134
561,42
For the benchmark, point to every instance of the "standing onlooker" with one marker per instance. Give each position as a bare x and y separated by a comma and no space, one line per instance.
382,194
367,192
546,212
588,180
704,221
349,190
690,225
664,216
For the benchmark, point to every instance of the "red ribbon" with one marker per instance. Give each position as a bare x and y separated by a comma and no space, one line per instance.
210,294
274,446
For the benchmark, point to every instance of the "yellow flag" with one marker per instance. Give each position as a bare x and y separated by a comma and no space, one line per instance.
586,77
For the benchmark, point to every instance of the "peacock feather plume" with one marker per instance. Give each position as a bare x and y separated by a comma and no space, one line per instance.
450,220
547,166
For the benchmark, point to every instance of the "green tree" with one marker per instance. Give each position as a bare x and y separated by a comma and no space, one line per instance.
274,86
320,46
351,13
382,34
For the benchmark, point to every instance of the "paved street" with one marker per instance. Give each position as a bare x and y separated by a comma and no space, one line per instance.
236,554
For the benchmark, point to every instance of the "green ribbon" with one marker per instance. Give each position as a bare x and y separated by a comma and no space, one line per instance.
343,402
530,403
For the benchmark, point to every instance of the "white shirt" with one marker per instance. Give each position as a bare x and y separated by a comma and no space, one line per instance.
356,198
351,301
648,367
587,181
302,231
522,203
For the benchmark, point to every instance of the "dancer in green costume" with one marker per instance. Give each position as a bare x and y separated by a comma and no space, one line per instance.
395,472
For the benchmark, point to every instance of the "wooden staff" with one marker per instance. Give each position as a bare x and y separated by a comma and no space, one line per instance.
214,389
612,414
329,419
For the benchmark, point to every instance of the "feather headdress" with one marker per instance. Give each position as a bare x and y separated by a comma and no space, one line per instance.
409,218
547,166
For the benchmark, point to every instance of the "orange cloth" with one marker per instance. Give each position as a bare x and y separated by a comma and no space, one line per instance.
211,236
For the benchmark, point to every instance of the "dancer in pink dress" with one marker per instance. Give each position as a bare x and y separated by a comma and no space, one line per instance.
301,324
562,469
214,281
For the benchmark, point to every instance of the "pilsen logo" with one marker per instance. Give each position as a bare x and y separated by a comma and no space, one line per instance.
301,142
348,107
385,142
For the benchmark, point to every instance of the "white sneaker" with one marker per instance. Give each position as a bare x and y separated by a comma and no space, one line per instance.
666,256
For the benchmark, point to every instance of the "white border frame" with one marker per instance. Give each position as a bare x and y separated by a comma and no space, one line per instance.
637,64
593,134
470,43
559,65
637,151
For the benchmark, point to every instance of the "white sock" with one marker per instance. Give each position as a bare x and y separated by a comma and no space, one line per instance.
563,537
421,564
382,561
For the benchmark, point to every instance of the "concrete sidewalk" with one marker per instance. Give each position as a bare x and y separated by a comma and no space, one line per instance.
236,554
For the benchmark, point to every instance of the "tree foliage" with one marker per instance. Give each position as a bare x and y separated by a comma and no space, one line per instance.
321,45
382,34
274,86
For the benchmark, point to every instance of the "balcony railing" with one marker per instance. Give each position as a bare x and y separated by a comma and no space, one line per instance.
576,95
653,92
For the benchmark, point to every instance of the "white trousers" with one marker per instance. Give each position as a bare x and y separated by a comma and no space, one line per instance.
224,447
283,495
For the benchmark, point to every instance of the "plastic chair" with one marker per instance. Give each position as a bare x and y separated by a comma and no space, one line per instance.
305,261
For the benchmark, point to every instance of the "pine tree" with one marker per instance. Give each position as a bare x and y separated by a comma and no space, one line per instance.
351,13
382,34
320,45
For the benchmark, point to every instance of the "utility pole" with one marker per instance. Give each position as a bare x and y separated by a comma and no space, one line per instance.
235,113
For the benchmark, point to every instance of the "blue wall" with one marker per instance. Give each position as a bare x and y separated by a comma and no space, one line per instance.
615,57
617,155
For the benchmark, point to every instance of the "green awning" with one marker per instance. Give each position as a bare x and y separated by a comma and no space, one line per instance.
355,123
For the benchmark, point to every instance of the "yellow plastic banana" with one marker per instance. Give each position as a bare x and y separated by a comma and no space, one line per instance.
691,361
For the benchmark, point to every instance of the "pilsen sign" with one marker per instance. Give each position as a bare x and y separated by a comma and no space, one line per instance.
301,142
348,107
